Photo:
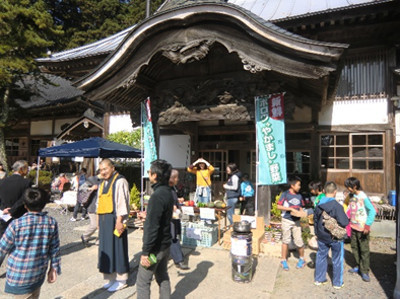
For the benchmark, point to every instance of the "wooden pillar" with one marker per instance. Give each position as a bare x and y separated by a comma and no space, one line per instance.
264,203
106,124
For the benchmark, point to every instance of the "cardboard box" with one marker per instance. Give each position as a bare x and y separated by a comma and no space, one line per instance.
258,234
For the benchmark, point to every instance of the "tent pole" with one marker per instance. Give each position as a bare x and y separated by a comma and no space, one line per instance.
37,172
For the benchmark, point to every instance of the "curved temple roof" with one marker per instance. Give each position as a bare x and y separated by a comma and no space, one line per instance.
260,45
267,10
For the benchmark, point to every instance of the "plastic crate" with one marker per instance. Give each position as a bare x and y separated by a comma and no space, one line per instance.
208,234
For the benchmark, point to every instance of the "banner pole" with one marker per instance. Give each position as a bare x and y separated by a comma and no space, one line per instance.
142,159
257,162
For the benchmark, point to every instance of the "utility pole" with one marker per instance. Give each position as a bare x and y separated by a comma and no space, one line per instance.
147,8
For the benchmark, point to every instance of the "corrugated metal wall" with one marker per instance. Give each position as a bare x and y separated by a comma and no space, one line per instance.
364,75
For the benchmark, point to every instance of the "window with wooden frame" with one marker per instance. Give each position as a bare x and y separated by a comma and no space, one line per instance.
12,147
352,151
218,159
36,144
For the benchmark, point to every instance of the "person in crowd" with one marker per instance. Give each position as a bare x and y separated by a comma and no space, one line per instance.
362,215
31,241
3,173
232,189
203,171
42,165
93,183
34,166
78,179
291,200
246,198
326,241
176,250
12,189
82,176
316,189
82,190
60,183
157,233
113,212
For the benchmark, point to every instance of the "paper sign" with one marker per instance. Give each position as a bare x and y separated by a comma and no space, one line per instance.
239,247
188,211
250,219
193,233
207,213
4,217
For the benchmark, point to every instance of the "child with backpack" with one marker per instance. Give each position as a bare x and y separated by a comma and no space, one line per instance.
329,239
362,214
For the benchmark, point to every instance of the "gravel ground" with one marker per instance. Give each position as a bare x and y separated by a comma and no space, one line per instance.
67,232
300,282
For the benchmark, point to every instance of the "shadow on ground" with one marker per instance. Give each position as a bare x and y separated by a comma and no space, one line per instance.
382,267
191,280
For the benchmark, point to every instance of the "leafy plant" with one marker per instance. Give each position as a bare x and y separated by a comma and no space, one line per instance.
44,178
306,234
134,199
275,213
127,138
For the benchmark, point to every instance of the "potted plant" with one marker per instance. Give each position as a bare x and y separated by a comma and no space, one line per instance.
276,217
134,200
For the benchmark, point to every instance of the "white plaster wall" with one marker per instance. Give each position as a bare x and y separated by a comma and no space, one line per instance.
175,149
43,127
120,122
355,112
397,125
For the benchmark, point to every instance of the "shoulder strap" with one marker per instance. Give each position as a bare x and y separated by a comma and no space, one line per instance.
204,178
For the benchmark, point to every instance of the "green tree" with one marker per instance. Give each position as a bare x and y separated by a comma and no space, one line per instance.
87,21
128,138
26,32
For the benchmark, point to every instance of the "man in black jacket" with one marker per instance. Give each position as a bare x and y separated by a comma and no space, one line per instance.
326,241
12,189
157,233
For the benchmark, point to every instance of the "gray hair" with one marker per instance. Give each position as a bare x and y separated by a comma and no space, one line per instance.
19,165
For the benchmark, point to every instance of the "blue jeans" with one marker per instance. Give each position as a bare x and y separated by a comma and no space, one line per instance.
321,263
203,194
231,203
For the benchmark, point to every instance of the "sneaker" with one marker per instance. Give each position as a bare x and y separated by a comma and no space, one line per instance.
182,266
118,285
108,284
73,219
354,270
320,283
300,264
365,277
338,287
285,265
83,218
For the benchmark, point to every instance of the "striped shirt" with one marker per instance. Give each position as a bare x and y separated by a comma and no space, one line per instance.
31,241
